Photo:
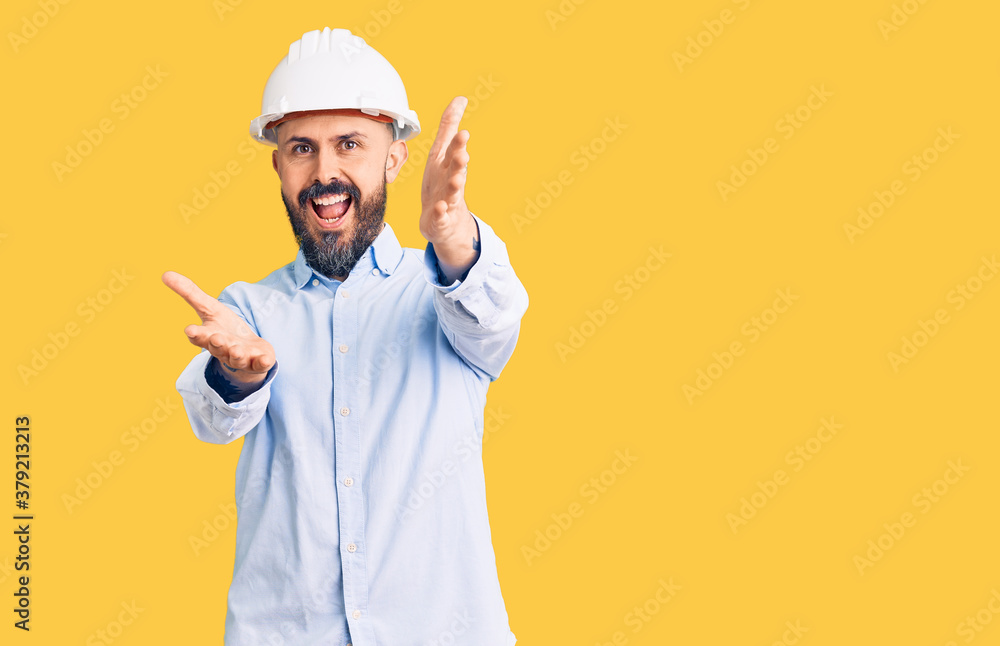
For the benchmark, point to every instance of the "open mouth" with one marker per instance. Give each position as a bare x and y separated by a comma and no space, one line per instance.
331,209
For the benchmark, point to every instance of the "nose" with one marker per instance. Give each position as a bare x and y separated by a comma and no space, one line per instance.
327,166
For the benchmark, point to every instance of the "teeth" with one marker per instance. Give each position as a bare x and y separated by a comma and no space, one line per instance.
327,200
330,220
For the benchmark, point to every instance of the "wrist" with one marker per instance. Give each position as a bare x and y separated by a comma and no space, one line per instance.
460,249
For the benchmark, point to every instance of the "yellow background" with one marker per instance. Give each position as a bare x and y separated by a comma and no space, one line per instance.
547,87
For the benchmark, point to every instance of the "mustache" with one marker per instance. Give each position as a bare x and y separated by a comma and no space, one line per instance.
335,187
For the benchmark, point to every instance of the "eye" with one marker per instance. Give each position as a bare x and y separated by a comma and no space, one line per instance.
350,145
301,148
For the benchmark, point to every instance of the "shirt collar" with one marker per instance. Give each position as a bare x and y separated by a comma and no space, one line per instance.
385,254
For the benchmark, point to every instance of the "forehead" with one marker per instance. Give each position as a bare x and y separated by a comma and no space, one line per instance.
326,127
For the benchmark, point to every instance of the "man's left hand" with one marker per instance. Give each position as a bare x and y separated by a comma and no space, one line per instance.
445,219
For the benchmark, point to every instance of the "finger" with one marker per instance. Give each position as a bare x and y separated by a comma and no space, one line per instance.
238,357
458,142
457,177
202,303
224,348
217,341
262,361
460,165
449,123
456,186
196,335
200,335
457,155
250,358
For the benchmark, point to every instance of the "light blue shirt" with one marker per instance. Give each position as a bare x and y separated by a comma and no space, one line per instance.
360,486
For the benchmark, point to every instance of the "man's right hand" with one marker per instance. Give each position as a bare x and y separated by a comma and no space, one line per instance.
245,356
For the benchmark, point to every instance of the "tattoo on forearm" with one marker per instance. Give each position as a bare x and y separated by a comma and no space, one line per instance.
475,243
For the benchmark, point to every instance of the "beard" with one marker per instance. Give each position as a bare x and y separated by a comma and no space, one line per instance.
335,253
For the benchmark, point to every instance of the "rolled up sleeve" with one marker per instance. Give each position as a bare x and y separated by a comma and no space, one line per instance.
212,419
481,315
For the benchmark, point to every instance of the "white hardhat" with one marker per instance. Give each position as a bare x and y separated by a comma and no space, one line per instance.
334,70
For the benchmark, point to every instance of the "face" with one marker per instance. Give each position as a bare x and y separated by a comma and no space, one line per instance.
334,170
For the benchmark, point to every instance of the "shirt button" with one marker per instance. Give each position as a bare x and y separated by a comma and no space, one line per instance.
344,292
374,272
315,282
345,411
351,547
356,614
348,481
343,348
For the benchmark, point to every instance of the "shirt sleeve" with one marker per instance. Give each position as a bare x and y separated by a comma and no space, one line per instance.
481,315
212,419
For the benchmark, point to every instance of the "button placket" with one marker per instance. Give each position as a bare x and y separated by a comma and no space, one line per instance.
348,447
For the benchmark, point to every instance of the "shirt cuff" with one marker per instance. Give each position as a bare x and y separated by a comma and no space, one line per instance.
212,419
482,277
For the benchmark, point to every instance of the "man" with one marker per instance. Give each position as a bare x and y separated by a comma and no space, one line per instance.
357,376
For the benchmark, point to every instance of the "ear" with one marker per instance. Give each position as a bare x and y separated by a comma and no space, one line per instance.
395,159
274,161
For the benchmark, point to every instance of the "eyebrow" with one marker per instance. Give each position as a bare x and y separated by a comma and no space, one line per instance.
351,135
308,140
